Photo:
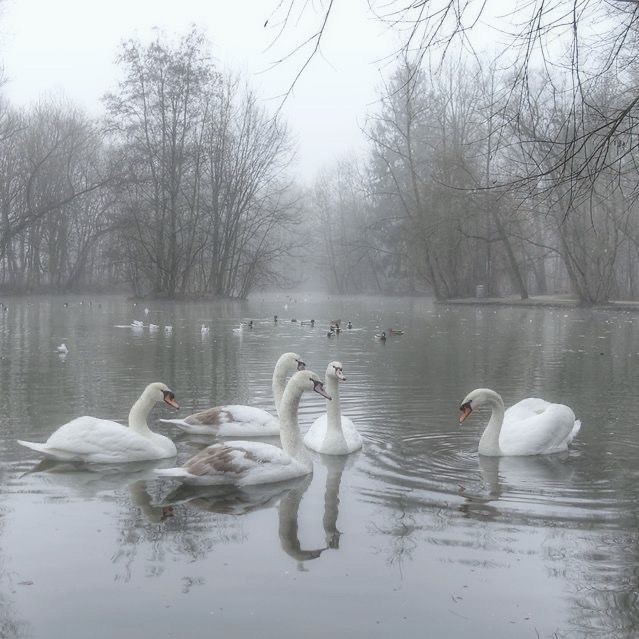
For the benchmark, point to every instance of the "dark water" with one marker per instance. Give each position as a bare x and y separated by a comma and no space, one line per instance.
415,536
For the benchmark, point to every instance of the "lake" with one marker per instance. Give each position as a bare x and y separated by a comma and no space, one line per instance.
415,535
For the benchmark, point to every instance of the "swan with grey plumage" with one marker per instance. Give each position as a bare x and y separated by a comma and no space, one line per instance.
234,420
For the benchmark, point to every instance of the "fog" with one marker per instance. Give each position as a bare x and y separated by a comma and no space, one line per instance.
214,151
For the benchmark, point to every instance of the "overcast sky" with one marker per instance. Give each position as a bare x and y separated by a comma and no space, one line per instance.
67,47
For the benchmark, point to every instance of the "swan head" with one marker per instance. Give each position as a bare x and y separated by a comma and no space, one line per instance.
160,392
336,370
309,381
475,399
292,361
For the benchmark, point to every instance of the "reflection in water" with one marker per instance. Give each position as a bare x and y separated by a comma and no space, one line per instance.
433,530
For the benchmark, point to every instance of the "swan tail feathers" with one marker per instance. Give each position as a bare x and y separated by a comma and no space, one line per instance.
40,448
175,422
575,430
176,473
44,449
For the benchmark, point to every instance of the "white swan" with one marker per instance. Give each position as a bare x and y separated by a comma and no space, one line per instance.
94,440
530,427
244,463
243,421
333,434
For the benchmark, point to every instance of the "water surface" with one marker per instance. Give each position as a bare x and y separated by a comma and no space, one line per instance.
415,535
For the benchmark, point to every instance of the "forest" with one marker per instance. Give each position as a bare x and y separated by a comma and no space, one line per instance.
504,176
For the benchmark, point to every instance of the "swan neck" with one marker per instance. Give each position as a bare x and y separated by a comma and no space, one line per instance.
138,414
489,442
279,383
290,436
333,411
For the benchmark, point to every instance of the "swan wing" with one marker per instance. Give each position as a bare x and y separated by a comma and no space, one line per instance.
235,462
537,429
232,420
101,440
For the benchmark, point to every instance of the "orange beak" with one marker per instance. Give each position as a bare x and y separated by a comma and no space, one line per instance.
464,411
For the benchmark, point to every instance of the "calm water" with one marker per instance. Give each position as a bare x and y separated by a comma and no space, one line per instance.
415,536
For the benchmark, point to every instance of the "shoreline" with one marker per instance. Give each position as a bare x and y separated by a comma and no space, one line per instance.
543,301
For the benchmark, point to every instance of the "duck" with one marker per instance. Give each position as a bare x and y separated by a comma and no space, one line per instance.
246,463
235,420
332,433
381,336
94,440
350,324
531,427
393,331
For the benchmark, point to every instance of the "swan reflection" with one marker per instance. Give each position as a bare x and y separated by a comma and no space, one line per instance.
501,476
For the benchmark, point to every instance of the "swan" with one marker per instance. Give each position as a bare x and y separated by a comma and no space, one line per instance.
137,324
381,336
235,420
331,433
530,427
244,463
94,440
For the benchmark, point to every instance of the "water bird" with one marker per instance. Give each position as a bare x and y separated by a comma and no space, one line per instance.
168,328
293,319
62,349
332,433
235,420
204,329
275,318
531,427
244,463
381,336
146,311
93,440
350,324
153,327
393,332
137,324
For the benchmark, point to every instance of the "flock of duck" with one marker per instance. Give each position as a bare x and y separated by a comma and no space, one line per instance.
530,427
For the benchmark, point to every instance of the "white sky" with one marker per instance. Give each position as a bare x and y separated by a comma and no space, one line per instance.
67,47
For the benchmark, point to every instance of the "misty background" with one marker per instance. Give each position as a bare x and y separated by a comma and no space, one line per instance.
346,147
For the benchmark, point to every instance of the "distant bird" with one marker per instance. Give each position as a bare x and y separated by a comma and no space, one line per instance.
168,329
335,328
336,322
66,305
250,324
146,311
137,324
330,334
204,330
275,318
62,349
312,322
381,336
293,319
392,331
153,327
350,324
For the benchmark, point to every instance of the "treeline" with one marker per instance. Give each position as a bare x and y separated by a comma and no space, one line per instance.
467,183
181,189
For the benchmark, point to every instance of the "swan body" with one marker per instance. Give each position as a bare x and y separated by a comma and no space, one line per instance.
93,440
531,427
242,421
332,433
245,463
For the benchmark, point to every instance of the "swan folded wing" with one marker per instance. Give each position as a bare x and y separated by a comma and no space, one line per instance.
232,413
99,438
526,408
547,431
236,458
211,417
